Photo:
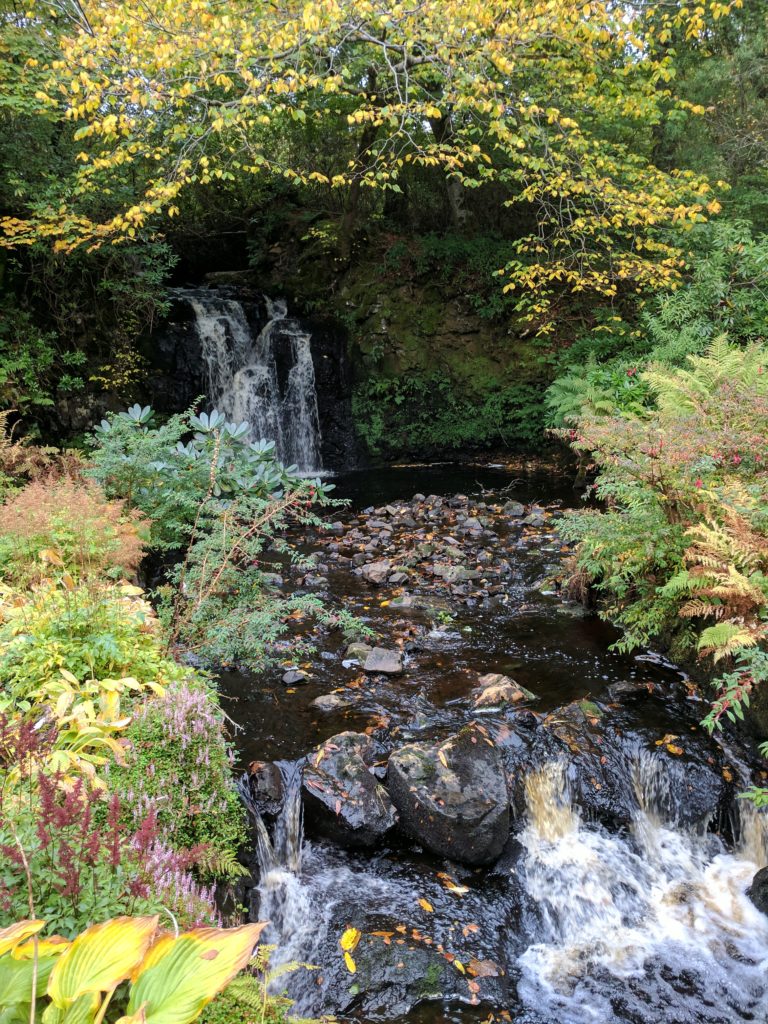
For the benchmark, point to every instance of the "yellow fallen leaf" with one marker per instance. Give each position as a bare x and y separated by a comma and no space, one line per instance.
351,965
425,905
457,890
349,939
442,758
674,749
459,966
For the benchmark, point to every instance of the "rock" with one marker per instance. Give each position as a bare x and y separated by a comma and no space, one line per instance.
330,702
342,799
496,690
758,890
386,661
535,519
398,578
266,786
452,797
617,769
418,603
514,509
294,677
376,572
358,650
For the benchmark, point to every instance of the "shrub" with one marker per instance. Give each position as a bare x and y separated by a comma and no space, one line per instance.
91,630
681,550
178,766
74,525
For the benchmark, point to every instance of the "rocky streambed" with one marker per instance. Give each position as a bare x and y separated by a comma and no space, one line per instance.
500,815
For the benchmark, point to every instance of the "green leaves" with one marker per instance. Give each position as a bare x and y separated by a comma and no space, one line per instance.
181,975
100,958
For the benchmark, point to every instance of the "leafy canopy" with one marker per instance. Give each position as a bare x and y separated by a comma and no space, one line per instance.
554,100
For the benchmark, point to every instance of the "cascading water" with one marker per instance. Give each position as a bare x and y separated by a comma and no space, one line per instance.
244,379
658,918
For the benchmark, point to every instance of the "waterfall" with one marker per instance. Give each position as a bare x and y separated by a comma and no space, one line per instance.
638,910
282,899
267,381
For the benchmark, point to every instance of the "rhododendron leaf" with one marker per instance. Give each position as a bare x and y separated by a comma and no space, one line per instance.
100,958
182,975
16,933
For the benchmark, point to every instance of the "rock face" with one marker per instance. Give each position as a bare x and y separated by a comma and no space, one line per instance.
342,799
452,797
388,662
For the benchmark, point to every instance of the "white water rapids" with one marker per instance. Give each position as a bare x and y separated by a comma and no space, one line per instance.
648,927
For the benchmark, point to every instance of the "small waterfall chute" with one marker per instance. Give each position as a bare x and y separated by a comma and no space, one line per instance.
267,381
614,908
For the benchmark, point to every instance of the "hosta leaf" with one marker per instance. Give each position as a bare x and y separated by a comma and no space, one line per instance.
16,978
182,975
53,946
100,958
81,1011
16,933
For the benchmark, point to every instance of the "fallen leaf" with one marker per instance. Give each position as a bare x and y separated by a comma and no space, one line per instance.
442,758
351,965
350,939
426,905
674,749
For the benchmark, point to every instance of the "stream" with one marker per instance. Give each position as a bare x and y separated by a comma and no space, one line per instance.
619,896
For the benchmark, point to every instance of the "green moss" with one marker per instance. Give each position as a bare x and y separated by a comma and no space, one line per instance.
431,983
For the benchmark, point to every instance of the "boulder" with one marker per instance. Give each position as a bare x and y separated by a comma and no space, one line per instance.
342,799
385,661
376,572
452,796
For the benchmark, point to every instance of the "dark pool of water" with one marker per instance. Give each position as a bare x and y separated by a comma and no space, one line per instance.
554,649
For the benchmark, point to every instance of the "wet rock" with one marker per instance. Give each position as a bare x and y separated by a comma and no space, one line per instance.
376,572
617,768
452,797
266,787
398,577
496,690
419,603
392,979
342,799
294,677
514,509
388,662
358,650
758,890
330,702
535,519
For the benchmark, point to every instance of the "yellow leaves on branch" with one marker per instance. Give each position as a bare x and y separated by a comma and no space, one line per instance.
184,92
